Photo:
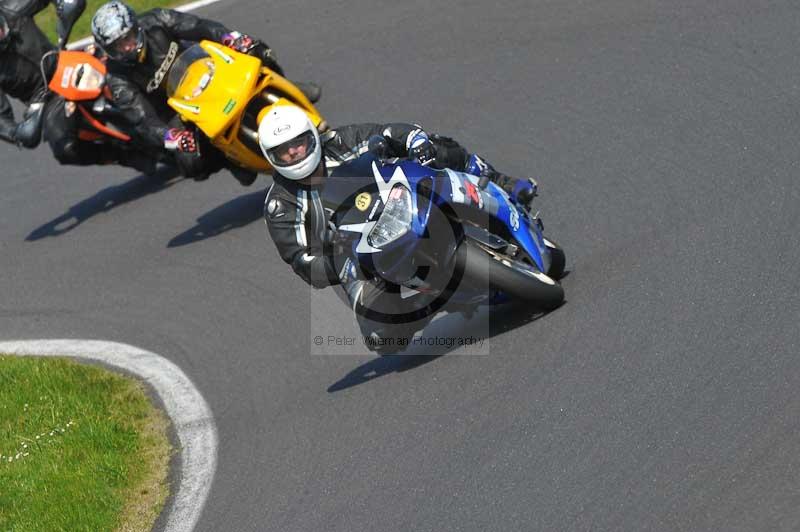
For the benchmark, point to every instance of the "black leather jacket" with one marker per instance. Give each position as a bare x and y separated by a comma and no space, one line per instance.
294,213
146,112
20,74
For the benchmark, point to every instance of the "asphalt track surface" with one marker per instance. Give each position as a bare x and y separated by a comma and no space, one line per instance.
664,395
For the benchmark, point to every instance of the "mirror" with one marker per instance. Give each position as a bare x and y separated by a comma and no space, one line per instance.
68,12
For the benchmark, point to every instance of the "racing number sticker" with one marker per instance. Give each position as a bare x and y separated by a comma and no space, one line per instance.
363,201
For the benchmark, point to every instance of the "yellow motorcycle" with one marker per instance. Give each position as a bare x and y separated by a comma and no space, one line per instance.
226,94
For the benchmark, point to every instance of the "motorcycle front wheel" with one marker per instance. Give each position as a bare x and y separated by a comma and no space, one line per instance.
485,267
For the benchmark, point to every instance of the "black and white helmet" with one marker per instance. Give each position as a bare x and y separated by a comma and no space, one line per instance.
116,31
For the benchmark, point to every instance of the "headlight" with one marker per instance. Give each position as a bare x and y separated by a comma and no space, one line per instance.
395,220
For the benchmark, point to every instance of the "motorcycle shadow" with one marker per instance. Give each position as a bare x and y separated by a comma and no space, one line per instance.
233,214
501,320
105,200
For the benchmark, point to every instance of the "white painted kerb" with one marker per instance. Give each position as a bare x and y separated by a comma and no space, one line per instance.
187,409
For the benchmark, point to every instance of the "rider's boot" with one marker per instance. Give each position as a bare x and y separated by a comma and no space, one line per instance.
243,176
387,342
312,91
145,164
522,191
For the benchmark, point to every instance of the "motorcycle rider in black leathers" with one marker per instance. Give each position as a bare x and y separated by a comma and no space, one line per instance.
140,50
22,45
297,222
72,141
22,76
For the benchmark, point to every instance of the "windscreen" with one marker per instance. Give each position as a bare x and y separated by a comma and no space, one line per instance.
180,69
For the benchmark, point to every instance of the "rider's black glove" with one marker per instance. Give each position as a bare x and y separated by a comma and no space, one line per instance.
181,140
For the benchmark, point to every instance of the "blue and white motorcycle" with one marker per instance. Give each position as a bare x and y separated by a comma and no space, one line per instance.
445,234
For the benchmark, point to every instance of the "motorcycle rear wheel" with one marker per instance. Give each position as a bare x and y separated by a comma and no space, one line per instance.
517,279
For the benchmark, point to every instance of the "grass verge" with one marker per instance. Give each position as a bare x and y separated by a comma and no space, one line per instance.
46,20
81,448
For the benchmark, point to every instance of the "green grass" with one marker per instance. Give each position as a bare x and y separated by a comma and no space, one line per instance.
81,448
47,18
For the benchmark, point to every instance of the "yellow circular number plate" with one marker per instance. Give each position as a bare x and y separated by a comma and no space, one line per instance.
363,201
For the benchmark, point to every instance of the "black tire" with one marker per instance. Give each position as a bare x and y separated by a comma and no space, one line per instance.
517,279
558,260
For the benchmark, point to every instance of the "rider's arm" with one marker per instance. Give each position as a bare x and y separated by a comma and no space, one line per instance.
24,8
351,141
446,152
348,142
286,217
400,136
136,112
187,27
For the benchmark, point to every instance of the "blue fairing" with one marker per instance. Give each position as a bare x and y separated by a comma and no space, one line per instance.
527,233
447,188
525,230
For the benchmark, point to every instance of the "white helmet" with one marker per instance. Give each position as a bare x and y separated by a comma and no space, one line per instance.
290,142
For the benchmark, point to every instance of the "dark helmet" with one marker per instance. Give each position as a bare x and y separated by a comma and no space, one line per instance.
116,31
5,32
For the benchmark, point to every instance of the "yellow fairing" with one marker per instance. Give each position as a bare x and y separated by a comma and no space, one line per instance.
226,94
232,79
